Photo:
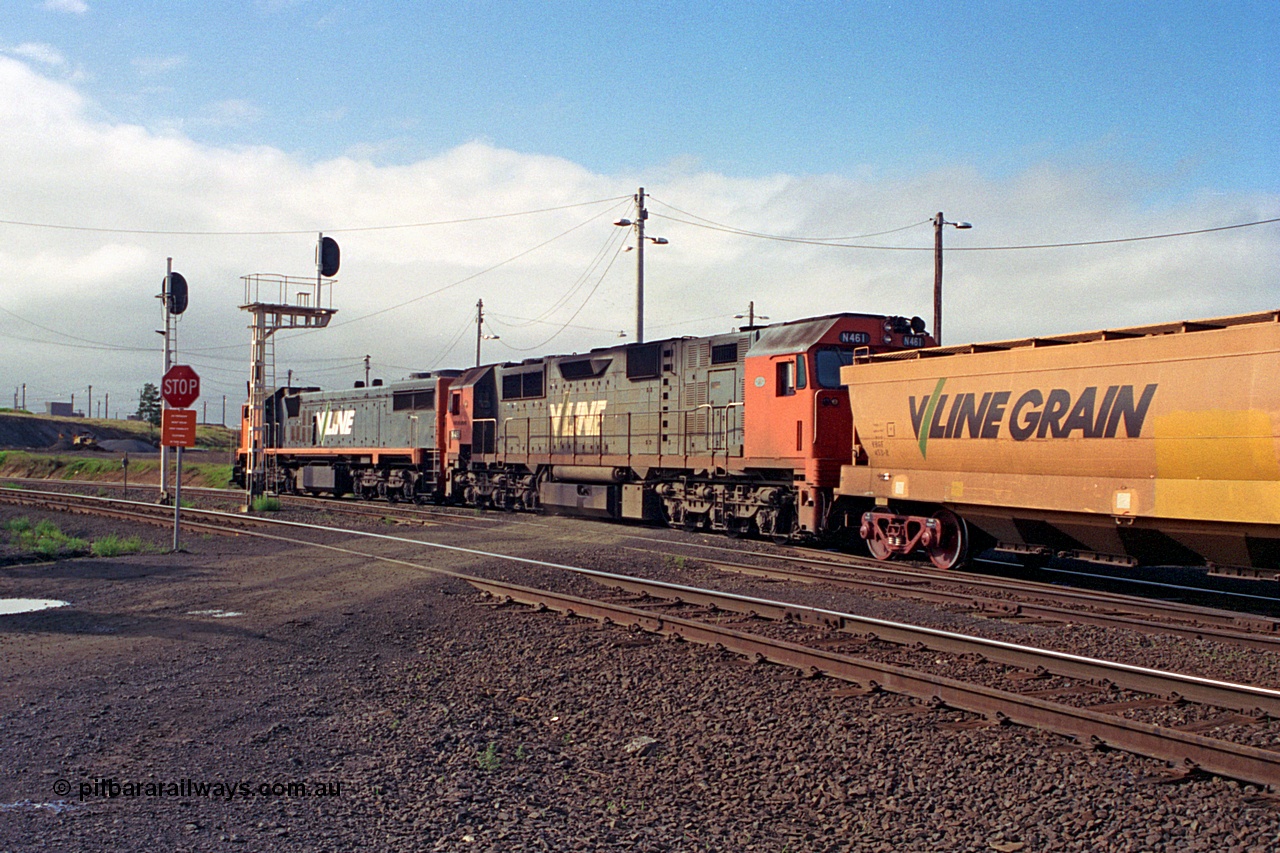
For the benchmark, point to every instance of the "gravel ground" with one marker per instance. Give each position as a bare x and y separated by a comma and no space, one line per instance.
422,718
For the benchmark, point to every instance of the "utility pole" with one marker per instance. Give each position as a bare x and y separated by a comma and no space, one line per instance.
24,396
480,335
89,408
750,316
366,371
938,222
106,406
641,216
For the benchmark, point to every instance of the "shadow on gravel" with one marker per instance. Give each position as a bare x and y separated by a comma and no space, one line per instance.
68,620
90,569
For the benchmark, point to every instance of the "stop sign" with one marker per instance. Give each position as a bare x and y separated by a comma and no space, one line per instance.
180,386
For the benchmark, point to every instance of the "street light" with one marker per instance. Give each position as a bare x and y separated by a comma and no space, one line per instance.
641,215
938,222
751,316
480,336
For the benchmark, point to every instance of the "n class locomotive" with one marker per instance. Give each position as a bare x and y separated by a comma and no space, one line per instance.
744,432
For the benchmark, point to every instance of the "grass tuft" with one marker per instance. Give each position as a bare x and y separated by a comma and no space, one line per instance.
44,539
489,760
112,545
266,503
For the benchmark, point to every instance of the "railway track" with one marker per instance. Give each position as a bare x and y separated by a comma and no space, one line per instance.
1005,598
1020,601
1192,723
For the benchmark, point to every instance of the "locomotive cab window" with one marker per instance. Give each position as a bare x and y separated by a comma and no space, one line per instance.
786,371
455,403
828,362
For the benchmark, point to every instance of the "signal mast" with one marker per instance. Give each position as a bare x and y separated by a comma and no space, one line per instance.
279,302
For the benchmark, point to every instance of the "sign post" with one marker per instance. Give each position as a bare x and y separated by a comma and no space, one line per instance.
180,388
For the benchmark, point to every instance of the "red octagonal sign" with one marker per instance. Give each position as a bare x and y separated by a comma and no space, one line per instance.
180,386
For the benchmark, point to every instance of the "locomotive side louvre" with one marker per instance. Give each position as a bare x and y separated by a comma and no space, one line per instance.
1156,444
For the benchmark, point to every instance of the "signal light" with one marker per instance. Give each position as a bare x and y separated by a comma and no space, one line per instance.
176,293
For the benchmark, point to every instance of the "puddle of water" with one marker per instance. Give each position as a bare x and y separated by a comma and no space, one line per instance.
9,606
55,807
216,613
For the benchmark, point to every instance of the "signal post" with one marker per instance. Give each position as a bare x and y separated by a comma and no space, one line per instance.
180,387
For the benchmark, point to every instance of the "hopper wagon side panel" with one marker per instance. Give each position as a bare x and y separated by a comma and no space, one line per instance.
1174,430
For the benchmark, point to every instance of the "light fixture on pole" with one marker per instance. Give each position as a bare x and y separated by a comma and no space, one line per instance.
480,336
938,222
751,316
641,215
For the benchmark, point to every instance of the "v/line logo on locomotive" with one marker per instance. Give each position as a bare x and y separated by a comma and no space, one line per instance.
1056,414
335,423
579,418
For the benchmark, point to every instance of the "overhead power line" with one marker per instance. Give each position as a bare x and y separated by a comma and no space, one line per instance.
720,226
836,242
574,315
339,230
1116,240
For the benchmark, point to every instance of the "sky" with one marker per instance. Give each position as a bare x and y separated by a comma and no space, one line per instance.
794,155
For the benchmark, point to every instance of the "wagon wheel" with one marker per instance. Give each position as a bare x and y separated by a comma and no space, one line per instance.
952,546
877,547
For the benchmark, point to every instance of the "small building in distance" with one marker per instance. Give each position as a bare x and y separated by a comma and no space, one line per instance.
62,410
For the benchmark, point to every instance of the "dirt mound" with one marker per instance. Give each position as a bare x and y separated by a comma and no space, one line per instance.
35,432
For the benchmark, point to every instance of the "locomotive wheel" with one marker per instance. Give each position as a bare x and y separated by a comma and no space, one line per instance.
952,547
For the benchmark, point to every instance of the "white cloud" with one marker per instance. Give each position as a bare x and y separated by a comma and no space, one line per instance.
40,52
65,168
74,7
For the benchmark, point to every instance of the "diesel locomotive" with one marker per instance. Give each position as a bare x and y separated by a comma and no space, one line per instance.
744,432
